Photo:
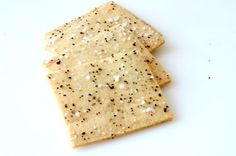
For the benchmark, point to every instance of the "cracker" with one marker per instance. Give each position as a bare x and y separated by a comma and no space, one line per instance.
104,100
98,20
115,40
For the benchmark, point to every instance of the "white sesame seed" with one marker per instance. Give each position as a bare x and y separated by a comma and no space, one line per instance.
151,77
103,133
94,127
135,120
65,114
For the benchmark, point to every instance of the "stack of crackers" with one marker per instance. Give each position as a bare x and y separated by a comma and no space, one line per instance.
104,76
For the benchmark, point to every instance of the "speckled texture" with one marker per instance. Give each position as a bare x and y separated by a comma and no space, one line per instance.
98,20
114,40
104,100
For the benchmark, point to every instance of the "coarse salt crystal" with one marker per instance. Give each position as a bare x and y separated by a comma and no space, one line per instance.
110,19
117,78
122,86
149,109
116,18
77,114
86,39
52,40
87,77
79,62
125,24
110,61
141,100
77,26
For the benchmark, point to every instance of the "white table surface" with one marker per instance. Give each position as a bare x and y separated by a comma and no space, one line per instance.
200,43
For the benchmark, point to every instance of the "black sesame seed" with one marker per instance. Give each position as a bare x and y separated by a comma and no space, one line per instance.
111,87
165,109
58,62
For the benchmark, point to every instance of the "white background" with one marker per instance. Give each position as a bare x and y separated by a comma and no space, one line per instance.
200,43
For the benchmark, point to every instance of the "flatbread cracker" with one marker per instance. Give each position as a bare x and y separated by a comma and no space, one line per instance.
104,100
104,45
98,20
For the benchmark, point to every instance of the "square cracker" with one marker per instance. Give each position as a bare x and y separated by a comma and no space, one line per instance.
103,100
114,40
98,20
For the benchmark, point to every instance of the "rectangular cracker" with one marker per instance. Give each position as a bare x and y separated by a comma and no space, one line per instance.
98,20
104,100
114,40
